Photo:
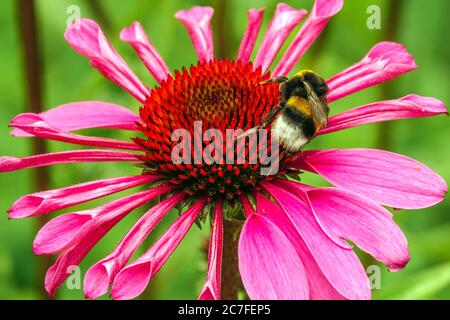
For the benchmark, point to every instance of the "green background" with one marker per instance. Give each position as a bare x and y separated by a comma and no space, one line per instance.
422,26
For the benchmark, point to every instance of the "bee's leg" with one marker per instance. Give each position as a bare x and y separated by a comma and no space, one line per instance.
263,124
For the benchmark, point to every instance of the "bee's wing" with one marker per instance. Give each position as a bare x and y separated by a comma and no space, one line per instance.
318,109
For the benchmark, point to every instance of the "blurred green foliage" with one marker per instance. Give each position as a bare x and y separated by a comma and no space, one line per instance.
422,26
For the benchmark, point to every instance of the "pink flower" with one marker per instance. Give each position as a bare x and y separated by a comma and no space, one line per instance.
304,227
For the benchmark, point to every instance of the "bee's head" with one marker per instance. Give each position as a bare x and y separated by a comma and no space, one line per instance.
295,86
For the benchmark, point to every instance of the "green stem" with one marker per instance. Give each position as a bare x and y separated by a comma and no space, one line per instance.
231,278
32,65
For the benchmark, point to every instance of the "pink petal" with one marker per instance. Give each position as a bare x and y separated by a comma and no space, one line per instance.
38,127
100,276
283,22
88,39
319,287
198,22
301,191
133,279
84,242
8,164
388,178
137,37
86,115
321,13
348,215
384,62
48,201
340,266
63,231
255,19
211,289
411,106
269,265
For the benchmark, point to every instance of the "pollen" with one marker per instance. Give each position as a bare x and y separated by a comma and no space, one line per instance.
221,95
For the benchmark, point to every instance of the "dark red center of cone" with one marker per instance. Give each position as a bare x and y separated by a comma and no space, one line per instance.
222,95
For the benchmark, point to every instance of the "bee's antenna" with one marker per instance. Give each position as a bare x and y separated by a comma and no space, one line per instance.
281,79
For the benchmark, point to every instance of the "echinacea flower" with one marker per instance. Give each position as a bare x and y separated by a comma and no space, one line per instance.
293,242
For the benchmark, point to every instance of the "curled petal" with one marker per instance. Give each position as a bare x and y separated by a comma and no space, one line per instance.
411,106
283,22
86,240
48,201
88,39
319,287
340,266
8,164
86,115
269,265
63,231
137,37
255,18
321,13
387,178
348,215
198,22
384,62
211,289
100,276
133,279
36,126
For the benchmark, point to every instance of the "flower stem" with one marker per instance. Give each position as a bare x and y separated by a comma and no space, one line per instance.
231,278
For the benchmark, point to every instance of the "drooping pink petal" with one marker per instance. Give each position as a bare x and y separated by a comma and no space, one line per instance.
63,231
8,164
301,191
319,287
255,18
197,21
384,62
133,279
137,37
283,22
48,201
88,39
321,13
340,266
348,215
410,106
36,126
86,115
73,255
387,178
101,275
269,265
211,289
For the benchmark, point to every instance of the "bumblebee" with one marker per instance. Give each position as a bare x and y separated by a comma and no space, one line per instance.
302,111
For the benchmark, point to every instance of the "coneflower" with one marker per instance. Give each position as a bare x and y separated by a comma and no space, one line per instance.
293,239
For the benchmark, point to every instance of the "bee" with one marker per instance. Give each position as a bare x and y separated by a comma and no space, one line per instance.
302,111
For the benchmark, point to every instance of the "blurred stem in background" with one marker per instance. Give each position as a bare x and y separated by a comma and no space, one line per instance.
100,15
32,64
385,129
223,29
393,22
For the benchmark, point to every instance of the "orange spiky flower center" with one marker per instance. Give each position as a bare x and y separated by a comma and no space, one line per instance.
219,94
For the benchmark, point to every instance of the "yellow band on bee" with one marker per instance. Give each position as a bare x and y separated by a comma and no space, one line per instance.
299,104
303,73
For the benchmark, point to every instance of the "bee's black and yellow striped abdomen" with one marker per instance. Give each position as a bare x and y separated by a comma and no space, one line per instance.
304,110
295,118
